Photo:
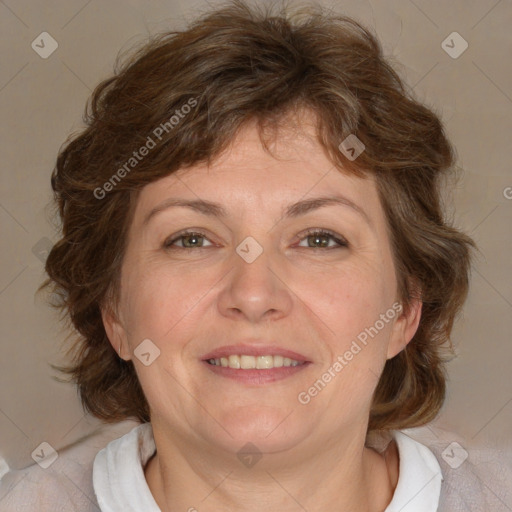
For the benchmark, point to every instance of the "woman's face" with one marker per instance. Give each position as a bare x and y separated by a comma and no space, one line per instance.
262,283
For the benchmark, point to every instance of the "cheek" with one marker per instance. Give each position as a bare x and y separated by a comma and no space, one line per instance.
347,300
348,309
159,298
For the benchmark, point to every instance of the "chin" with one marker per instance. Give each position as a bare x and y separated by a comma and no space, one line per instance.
270,429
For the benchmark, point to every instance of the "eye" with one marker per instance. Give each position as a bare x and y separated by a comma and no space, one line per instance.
321,237
190,240
195,240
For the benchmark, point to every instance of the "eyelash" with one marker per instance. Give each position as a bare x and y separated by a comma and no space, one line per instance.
342,243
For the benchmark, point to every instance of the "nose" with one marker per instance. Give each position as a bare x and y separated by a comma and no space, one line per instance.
256,290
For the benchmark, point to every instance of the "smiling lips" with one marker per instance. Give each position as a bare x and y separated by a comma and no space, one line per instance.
255,364
247,362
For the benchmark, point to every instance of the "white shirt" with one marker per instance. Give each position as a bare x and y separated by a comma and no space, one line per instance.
120,484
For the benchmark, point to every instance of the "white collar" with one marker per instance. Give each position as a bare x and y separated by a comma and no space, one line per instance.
120,484
419,481
118,474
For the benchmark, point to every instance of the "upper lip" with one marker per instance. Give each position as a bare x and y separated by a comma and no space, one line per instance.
253,350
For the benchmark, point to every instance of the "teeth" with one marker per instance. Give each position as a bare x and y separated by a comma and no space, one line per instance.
233,362
263,362
246,362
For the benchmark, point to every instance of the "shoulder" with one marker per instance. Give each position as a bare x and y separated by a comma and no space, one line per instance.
477,474
66,484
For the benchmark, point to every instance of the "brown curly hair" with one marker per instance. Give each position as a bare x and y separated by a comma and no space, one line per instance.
236,64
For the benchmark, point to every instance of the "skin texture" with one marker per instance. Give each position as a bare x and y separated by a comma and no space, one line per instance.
297,295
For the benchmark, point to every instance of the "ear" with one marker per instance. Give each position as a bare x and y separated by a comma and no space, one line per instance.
115,332
404,328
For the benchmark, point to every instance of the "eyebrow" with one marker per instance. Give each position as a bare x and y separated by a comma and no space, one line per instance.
297,209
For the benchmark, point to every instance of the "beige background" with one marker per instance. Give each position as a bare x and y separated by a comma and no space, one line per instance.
41,103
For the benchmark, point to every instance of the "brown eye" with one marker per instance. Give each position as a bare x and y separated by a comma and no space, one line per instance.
320,239
189,240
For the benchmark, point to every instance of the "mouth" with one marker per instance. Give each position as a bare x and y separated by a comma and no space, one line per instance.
247,362
254,365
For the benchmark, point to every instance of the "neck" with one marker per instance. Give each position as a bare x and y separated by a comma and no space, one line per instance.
340,477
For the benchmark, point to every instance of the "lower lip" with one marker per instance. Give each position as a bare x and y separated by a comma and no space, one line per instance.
255,376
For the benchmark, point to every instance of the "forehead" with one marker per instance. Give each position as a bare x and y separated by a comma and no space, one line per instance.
245,176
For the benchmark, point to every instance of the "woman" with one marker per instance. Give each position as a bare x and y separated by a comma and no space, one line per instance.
256,260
